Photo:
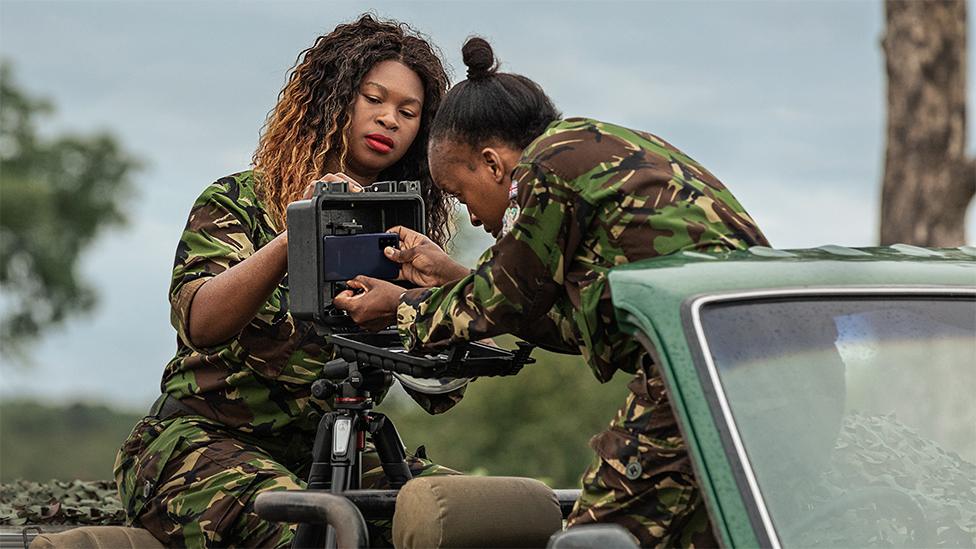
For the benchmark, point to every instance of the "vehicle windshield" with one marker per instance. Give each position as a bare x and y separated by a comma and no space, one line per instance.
856,415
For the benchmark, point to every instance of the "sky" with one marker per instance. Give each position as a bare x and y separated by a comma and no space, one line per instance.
783,101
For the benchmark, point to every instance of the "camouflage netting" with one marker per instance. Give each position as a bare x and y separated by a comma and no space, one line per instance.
73,502
884,479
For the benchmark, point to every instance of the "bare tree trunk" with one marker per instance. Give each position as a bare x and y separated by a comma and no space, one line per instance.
928,181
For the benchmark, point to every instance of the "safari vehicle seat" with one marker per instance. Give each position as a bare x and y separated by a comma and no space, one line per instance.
442,511
98,537
468,511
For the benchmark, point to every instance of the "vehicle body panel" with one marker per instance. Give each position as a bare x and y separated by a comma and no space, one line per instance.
658,300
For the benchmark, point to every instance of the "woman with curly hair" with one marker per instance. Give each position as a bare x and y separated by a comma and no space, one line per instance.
236,417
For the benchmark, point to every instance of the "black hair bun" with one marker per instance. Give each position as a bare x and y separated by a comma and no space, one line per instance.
479,58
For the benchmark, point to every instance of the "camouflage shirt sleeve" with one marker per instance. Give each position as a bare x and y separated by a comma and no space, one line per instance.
516,283
555,332
217,236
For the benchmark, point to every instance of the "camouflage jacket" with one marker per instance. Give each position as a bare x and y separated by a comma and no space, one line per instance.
258,382
590,195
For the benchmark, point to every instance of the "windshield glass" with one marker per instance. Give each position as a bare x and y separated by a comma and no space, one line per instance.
857,415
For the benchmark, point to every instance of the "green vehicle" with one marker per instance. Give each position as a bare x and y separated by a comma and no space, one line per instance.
826,396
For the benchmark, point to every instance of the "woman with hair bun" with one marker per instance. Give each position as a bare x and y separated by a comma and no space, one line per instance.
237,417
567,200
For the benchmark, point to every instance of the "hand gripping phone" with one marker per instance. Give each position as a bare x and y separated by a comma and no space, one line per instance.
346,257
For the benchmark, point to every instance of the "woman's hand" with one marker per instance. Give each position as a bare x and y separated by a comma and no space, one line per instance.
421,261
310,191
374,307
354,185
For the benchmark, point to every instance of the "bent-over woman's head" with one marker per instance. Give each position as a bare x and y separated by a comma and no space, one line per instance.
492,105
359,101
479,133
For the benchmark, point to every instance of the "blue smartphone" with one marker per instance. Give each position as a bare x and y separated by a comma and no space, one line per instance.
345,257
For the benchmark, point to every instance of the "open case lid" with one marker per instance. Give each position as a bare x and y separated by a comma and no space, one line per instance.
333,210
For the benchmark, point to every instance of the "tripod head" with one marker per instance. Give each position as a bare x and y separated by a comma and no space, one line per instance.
348,380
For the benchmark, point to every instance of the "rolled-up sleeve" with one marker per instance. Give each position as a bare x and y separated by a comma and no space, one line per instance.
217,237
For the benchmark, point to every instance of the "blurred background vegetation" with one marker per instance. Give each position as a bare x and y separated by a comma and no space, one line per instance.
66,441
57,193
536,425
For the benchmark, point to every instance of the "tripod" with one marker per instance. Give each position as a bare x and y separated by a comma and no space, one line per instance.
341,438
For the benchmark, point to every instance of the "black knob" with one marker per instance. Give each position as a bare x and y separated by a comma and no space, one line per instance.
323,389
335,369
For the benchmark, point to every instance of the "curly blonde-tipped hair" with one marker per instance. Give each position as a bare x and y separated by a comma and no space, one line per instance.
306,130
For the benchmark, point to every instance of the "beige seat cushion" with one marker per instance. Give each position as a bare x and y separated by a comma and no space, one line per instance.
463,511
98,537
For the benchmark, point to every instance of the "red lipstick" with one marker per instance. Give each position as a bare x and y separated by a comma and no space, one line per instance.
379,143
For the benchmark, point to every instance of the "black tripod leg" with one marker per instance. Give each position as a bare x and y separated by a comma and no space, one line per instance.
320,474
309,536
390,449
335,458
345,458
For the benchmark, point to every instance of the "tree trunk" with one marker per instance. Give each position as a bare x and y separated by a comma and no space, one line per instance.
928,181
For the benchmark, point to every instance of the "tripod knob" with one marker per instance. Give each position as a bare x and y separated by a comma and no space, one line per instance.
336,369
323,389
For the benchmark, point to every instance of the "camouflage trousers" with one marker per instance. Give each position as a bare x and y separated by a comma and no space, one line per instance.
192,483
641,478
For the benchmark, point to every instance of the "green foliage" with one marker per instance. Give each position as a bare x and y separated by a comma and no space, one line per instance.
77,441
56,194
535,424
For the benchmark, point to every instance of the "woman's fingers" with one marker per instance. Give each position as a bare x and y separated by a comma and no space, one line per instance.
366,283
373,309
400,256
343,295
344,299
353,185
408,237
360,283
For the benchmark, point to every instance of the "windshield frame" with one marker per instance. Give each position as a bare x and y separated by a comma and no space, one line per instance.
715,393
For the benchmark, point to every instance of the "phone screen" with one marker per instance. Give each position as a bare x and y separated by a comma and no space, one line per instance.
345,257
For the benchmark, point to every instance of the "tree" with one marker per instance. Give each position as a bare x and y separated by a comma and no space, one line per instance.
928,181
56,195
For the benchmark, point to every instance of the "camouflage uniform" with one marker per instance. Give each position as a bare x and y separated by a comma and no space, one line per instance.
191,479
590,196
